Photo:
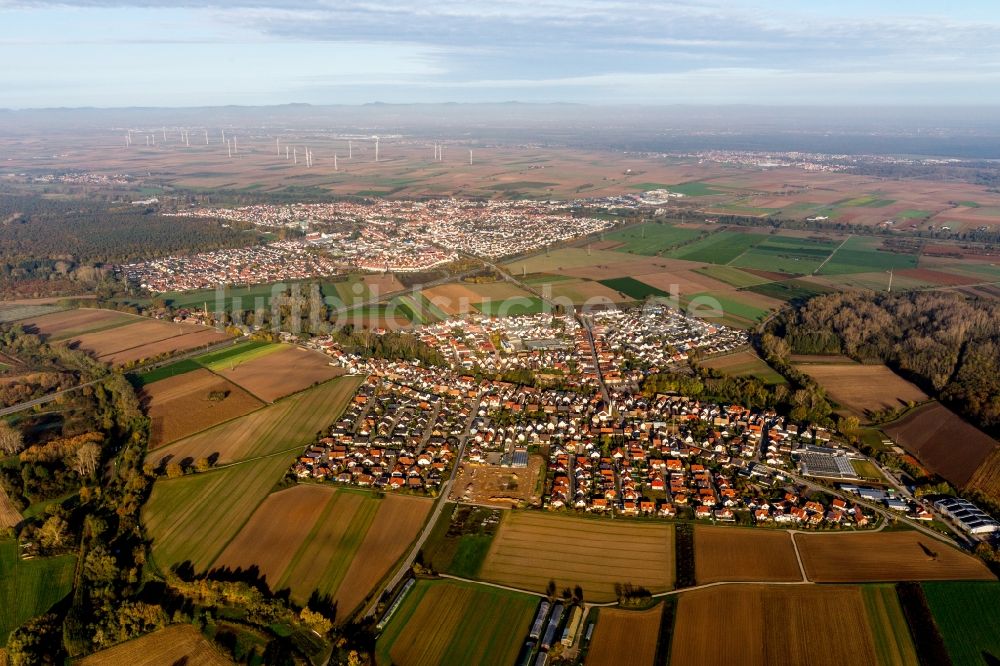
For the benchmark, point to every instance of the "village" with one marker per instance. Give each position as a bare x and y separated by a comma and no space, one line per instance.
490,229
624,453
398,237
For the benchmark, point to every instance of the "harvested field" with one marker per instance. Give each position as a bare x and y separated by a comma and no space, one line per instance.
200,337
744,364
863,388
891,634
582,292
135,334
684,281
773,625
68,323
450,622
937,277
185,404
321,561
275,375
275,531
736,554
885,556
986,478
532,548
177,644
397,523
625,638
194,517
566,258
338,542
943,442
287,425
9,516
178,343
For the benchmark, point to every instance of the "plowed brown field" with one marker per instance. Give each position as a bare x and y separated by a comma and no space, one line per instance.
282,373
735,554
625,638
885,556
532,548
182,405
759,626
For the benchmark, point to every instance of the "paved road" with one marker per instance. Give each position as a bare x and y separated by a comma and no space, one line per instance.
880,510
404,568
28,404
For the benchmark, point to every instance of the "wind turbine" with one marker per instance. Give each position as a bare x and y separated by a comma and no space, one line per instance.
376,148
206,137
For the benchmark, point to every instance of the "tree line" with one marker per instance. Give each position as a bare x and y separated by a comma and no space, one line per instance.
946,344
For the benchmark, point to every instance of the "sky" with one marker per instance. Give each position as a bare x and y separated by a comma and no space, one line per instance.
113,53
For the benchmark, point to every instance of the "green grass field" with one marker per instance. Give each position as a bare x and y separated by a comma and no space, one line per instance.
166,371
237,355
788,290
866,470
633,288
893,642
745,364
869,201
733,306
651,239
349,291
218,360
452,622
732,276
720,248
859,255
245,298
968,616
30,587
469,556
522,305
786,255
914,214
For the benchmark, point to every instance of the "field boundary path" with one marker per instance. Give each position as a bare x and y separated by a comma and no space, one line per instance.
798,556
835,250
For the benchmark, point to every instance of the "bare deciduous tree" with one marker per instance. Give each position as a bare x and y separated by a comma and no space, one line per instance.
11,441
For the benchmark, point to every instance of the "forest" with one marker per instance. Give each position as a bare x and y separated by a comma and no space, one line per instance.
74,242
946,344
